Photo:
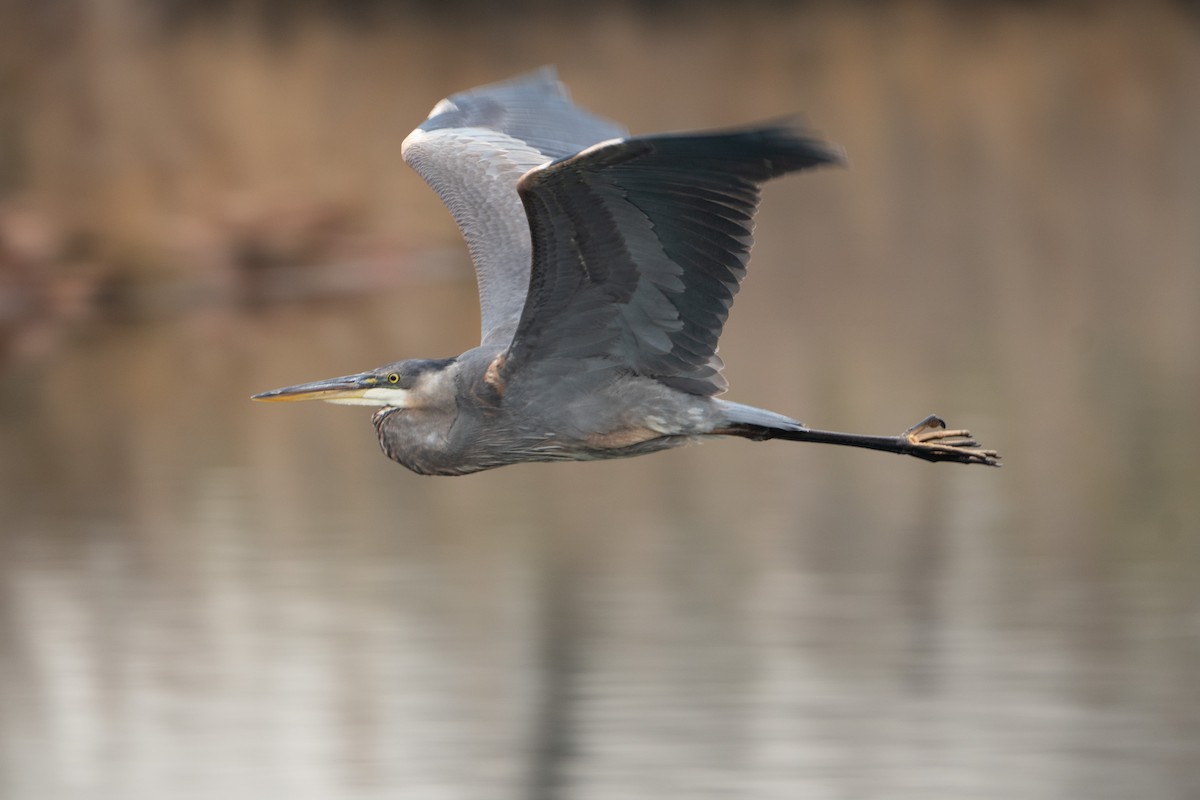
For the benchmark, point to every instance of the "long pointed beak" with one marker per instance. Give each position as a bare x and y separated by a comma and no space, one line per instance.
334,389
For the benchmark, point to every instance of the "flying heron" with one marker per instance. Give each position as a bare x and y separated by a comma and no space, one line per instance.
607,265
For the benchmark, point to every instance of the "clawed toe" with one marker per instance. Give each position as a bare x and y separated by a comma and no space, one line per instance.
930,440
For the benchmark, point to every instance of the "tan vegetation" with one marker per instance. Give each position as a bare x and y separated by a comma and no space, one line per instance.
1020,149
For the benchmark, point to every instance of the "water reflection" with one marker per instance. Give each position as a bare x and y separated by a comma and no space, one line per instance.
204,599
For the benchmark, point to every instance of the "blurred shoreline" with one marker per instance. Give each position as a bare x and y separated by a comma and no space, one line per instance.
236,153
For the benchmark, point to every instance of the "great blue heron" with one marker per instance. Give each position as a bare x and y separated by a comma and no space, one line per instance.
607,265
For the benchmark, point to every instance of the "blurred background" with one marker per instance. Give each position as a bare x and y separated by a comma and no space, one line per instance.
202,597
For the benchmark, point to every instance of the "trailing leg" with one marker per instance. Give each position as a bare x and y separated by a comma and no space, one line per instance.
928,440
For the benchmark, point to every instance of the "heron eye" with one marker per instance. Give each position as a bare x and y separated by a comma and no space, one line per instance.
394,377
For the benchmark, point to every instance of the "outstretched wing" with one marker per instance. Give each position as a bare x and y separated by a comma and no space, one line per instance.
473,149
639,246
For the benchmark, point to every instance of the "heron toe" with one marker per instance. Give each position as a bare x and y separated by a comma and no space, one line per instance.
931,440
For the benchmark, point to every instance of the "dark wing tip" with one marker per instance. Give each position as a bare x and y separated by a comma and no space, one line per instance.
790,145
779,146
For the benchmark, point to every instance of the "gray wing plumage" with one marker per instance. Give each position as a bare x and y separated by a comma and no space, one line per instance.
473,149
639,246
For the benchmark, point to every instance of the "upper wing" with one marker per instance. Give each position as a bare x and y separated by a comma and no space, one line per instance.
639,246
473,149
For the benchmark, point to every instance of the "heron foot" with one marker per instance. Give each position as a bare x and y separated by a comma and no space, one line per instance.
931,440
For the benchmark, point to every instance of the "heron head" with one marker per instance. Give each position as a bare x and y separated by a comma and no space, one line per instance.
405,384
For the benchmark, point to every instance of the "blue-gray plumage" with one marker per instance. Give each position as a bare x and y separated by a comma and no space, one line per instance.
473,149
607,265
